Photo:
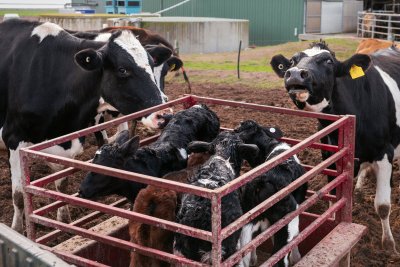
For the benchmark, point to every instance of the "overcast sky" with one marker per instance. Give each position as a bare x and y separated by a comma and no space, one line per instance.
22,4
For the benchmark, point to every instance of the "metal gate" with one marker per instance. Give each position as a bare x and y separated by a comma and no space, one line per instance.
315,226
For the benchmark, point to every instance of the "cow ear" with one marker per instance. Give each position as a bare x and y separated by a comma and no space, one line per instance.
248,151
280,65
159,53
174,63
354,66
122,137
199,146
130,146
89,59
273,132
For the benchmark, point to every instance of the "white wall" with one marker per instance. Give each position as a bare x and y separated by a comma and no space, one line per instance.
33,4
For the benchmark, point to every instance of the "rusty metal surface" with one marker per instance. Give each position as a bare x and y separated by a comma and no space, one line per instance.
342,154
334,246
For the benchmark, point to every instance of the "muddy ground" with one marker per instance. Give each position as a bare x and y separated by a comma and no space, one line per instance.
367,253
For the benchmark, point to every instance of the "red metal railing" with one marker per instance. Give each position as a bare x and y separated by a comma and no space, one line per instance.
342,155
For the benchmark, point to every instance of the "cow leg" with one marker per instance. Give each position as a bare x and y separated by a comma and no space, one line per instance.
383,171
245,238
63,214
17,191
365,168
123,126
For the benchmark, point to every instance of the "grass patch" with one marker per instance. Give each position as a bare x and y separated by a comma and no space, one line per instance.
28,12
257,60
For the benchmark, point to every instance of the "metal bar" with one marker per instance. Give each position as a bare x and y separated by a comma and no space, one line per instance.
261,238
305,233
346,189
126,175
69,171
88,218
216,252
74,259
168,225
113,241
51,207
172,7
325,172
269,202
330,148
226,189
107,124
258,107
327,197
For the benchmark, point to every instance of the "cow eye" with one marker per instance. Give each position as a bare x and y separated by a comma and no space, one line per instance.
122,70
329,61
292,62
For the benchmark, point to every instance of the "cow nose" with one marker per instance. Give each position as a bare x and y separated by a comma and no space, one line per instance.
295,76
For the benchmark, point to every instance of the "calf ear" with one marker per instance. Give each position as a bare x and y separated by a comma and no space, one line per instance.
159,53
200,146
248,151
174,63
352,66
273,132
89,59
280,65
122,137
130,146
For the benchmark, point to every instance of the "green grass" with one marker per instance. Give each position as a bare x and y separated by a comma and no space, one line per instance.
28,12
256,60
220,68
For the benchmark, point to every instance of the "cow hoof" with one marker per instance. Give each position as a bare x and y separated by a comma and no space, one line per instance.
389,245
358,195
63,215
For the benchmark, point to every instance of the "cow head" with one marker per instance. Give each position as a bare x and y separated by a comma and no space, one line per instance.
264,137
110,155
128,81
228,146
310,75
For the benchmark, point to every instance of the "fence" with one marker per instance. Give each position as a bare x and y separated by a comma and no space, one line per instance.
314,226
382,25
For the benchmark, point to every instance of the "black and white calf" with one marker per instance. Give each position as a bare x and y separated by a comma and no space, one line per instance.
165,155
51,83
266,185
195,211
364,85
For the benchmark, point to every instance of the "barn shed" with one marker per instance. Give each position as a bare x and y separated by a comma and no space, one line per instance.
270,21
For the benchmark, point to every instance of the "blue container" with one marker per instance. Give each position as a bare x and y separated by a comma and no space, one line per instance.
123,6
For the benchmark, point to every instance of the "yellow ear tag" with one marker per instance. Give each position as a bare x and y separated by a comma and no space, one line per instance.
356,72
172,67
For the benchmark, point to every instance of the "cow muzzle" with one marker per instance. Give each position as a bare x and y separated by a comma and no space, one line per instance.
300,95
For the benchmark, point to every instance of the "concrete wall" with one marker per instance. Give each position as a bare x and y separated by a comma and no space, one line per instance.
201,35
193,35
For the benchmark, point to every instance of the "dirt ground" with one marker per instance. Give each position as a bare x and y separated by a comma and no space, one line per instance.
366,253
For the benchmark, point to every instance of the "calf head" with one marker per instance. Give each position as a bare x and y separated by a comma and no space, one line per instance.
228,146
110,155
127,81
310,75
264,137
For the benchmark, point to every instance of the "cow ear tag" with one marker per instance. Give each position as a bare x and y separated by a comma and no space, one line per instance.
356,72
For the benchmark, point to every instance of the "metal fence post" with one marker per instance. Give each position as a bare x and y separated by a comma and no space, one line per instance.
216,253
346,188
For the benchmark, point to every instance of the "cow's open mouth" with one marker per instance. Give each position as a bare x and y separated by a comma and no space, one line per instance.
299,93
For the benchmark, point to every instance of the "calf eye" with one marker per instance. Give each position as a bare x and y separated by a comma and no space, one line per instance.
122,70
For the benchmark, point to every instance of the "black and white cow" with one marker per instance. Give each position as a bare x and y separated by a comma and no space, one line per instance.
228,153
161,51
266,185
365,86
165,155
51,83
